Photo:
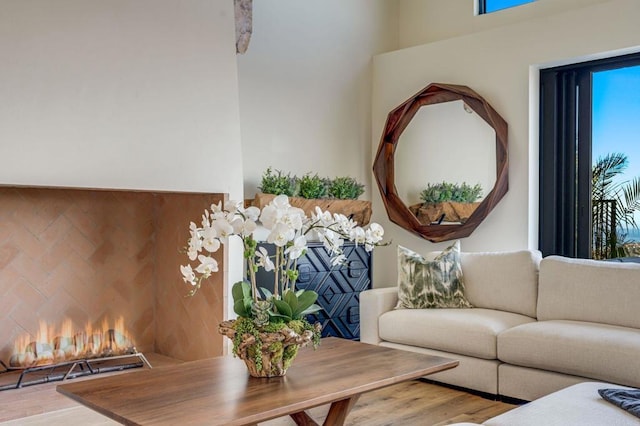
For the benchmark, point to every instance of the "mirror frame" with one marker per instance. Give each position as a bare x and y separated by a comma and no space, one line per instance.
384,163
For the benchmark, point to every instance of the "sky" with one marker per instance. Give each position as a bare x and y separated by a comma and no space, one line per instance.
494,5
616,117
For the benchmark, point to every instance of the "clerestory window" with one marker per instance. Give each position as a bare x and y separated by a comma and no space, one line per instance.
489,6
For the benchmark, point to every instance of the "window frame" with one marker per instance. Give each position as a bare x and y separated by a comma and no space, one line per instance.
565,160
482,6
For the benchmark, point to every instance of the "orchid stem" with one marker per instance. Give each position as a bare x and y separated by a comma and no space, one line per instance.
277,272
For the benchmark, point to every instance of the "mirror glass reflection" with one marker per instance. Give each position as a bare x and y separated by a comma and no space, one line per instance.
445,142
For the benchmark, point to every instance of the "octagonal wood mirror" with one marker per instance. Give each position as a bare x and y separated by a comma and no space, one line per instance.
478,153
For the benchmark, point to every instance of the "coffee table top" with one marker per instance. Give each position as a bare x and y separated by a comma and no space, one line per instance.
220,390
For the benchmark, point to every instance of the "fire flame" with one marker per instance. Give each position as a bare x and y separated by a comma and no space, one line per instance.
65,344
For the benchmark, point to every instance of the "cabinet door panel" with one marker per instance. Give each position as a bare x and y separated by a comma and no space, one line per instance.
338,304
338,287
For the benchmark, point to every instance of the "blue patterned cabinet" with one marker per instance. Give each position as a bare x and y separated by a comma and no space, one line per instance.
338,287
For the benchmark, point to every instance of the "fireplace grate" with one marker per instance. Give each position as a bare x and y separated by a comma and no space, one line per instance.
15,378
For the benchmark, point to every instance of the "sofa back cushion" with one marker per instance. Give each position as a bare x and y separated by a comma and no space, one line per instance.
506,281
589,290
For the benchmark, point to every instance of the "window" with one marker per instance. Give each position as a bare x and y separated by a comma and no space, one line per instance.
577,218
488,6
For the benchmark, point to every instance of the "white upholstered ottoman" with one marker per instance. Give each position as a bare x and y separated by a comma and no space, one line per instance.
577,405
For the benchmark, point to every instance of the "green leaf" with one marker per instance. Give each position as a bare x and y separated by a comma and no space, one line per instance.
240,290
267,293
292,300
240,309
305,300
283,308
248,303
311,310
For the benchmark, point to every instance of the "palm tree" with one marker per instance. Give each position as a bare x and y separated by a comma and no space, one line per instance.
614,205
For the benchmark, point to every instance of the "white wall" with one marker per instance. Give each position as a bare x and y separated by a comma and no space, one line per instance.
502,66
119,94
427,21
305,86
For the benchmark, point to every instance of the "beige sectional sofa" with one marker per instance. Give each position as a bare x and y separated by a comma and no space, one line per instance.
537,325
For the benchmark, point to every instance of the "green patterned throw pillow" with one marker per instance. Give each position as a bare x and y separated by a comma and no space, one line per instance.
433,283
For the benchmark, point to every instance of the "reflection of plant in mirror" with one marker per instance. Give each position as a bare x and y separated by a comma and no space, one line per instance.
345,188
441,192
275,182
313,186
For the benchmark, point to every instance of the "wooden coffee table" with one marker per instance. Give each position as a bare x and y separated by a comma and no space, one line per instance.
219,391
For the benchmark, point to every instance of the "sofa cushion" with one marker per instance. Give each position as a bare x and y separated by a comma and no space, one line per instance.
589,290
507,281
469,332
598,351
436,283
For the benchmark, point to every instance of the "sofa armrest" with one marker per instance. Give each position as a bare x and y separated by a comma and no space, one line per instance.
374,303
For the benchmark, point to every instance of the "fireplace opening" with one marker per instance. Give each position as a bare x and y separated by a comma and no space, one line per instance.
95,254
60,353
51,345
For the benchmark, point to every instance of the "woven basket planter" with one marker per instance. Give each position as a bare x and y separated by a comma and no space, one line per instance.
273,354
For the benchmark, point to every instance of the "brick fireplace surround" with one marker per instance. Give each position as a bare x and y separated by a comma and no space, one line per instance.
91,255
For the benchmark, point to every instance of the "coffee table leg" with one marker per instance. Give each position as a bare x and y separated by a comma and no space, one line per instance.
337,413
303,419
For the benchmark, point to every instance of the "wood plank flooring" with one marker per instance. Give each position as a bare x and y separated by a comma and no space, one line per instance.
414,403
43,399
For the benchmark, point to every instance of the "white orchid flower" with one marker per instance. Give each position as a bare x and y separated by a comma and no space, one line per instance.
281,202
195,242
332,243
270,216
358,235
323,218
208,265
264,260
338,260
344,224
217,211
377,232
289,227
294,218
188,275
232,206
210,240
252,213
223,229
281,234
249,227
299,246
192,254
206,219
237,224
243,227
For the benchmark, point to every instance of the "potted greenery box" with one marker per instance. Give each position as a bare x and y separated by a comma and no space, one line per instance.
447,202
338,195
